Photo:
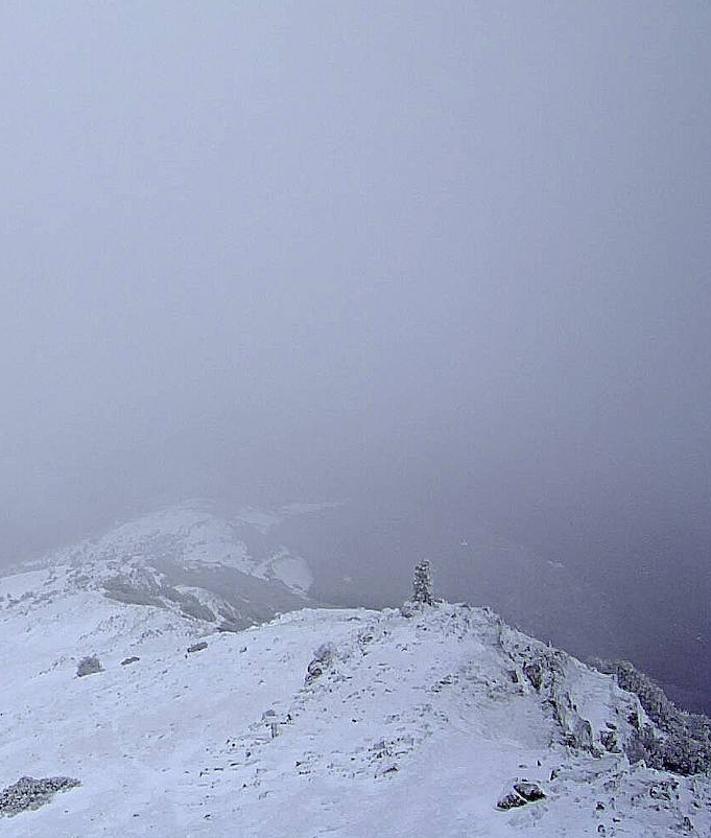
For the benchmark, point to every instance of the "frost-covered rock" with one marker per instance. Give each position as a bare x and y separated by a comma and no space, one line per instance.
409,610
682,741
321,661
611,726
519,794
31,793
529,791
89,666
510,800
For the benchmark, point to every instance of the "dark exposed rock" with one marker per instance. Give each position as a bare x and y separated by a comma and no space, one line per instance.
127,661
529,791
322,660
534,673
608,740
89,666
197,647
510,800
522,792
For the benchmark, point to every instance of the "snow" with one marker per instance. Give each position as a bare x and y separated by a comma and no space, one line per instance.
413,729
192,534
18,584
293,571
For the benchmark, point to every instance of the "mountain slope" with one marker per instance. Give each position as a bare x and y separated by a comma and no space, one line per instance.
397,726
185,559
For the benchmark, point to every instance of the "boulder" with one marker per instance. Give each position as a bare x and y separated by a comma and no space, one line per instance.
529,791
321,661
510,800
31,793
522,791
89,666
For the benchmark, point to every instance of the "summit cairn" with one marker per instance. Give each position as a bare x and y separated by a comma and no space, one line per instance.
422,584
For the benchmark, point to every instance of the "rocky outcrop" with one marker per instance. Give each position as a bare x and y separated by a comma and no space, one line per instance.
555,676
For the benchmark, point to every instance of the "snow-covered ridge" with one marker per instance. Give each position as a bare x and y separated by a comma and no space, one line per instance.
186,559
192,533
315,722
395,726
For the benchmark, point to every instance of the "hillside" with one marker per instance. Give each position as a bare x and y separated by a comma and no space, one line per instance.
185,559
320,723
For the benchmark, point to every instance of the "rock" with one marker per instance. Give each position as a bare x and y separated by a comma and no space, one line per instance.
313,670
197,647
127,661
510,800
522,792
31,793
534,673
529,791
322,660
609,741
89,666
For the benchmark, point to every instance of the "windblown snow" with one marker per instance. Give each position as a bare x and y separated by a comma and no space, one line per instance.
320,722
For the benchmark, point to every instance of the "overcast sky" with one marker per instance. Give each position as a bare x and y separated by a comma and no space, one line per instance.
433,255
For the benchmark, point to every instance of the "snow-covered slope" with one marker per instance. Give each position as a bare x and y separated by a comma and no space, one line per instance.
396,726
185,559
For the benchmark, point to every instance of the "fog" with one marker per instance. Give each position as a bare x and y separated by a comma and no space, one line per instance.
447,263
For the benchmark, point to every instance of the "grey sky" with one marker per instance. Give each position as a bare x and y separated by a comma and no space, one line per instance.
438,255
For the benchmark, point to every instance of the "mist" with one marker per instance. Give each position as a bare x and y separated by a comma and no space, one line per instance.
447,264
